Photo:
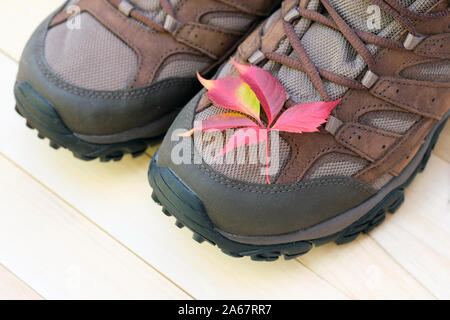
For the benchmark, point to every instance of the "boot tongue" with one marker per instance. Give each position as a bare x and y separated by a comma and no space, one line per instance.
330,50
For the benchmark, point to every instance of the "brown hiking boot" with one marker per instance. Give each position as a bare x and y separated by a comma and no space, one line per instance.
102,77
384,65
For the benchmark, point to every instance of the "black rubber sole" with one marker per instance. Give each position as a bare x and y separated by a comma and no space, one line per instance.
42,116
178,200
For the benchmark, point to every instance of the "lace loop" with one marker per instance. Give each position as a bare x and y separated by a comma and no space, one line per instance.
125,7
131,11
310,68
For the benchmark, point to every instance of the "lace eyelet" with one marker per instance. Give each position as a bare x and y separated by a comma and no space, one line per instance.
171,24
369,79
292,15
125,7
333,125
256,57
412,41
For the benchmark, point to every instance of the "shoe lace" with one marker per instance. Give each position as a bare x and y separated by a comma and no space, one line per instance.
128,9
357,38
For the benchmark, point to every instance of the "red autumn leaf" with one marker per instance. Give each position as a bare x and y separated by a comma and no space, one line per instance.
305,117
267,88
233,94
245,95
226,121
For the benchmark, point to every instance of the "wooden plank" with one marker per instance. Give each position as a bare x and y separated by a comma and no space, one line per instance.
20,19
151,150
363,270
116,196
442,148
418,235
12,288
61,254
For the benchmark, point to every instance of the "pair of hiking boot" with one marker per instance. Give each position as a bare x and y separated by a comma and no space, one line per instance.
309,134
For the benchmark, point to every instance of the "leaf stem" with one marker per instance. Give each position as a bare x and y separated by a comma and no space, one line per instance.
267,157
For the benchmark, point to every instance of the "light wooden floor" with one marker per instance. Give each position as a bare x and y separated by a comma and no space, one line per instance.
72,229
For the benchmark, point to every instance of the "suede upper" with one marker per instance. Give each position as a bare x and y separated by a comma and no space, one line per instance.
110,76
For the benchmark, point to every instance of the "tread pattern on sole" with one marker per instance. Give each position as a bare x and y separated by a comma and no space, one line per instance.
105,156
42,116
365,224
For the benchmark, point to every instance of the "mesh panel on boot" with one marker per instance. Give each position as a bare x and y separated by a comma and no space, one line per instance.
91,57
230,21
183,65
356,13
393,121
433,71
147,5
382,181
336,164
